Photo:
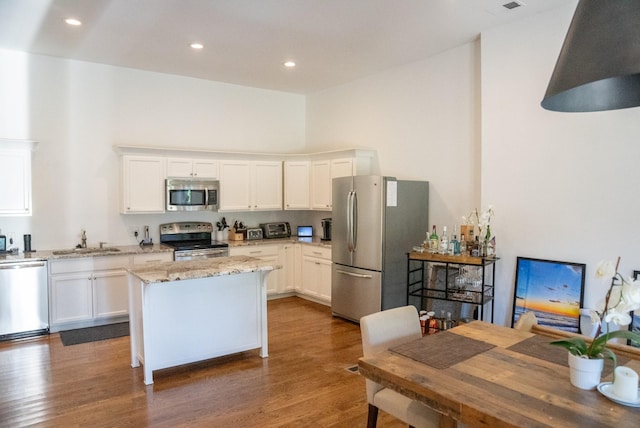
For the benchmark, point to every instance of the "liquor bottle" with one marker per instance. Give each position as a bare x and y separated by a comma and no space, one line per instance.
433,241
444,241
463,246
475,250
454,246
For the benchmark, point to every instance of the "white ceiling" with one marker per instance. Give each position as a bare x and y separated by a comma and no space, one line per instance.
246,41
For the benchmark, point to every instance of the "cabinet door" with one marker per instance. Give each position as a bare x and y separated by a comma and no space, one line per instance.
341,168
205,168
287,260
15,168
316,278
179,167
321,185
269,253
143,184
110,294
296,185
71,297
267,186
235,186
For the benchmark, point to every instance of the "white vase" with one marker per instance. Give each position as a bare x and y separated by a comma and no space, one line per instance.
584,372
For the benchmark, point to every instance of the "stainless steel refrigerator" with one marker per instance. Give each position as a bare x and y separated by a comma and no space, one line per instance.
376,222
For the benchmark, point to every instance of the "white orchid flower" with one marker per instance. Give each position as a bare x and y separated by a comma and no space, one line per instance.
606,269
619,317
631,294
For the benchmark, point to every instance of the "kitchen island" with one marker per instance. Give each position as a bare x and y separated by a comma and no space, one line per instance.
187,311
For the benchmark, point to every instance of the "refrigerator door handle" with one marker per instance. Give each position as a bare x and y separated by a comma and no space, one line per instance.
357,275
354,221
350,221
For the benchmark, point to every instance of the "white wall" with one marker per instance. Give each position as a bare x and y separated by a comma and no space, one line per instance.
423,119
78,111
564,185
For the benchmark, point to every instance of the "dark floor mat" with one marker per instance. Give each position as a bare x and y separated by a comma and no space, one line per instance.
93,334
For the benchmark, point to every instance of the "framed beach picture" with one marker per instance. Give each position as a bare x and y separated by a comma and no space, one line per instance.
635,317
552,290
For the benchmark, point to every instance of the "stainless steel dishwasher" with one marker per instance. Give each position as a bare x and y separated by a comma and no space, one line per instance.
24,299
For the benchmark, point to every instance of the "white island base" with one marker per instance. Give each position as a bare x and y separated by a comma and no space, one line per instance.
187,320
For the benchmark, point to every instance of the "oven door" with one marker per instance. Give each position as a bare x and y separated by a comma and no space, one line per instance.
200,254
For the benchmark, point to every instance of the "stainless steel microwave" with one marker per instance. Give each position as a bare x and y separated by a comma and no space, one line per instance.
192,195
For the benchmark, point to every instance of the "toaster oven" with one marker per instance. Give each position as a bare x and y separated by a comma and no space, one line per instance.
275,230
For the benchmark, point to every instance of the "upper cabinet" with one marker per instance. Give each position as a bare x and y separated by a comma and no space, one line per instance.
296,185
143,184
250,185
322,174
15,168
192,168
251,182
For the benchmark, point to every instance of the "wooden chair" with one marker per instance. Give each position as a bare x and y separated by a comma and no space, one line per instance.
381,331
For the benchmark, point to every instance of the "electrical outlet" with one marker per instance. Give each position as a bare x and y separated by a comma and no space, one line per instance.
134,231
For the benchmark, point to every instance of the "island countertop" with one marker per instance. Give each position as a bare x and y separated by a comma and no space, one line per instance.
199,268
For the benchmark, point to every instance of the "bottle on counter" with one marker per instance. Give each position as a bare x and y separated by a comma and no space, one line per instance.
454,246
463,246
433,241
444,241
475,250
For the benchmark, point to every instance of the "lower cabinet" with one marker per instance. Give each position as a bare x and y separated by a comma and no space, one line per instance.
306,269
92,290
316,273
269,253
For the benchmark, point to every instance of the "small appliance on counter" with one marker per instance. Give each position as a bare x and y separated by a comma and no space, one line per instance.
280,229
326,229
305,233
3,244
254,233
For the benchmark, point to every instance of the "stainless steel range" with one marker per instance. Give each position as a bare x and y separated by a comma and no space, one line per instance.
192,240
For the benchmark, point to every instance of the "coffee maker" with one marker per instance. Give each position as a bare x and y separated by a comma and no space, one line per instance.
326,229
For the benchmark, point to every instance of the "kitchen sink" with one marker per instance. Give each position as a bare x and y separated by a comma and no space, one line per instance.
89,250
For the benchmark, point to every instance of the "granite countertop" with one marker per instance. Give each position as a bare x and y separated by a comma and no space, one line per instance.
116,250
316,241
199,268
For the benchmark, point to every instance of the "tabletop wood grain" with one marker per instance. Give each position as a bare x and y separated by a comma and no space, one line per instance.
499,387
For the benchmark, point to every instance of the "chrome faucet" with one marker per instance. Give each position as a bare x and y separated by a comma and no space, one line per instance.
84,239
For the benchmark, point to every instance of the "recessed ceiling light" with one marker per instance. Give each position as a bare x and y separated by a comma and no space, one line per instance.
73,21
197,45
289,64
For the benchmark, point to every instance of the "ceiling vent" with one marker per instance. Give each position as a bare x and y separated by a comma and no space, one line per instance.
513,4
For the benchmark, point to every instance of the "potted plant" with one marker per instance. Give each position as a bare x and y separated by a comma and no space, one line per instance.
586,359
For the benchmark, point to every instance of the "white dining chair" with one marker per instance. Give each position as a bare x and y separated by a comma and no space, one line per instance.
381,331
526,321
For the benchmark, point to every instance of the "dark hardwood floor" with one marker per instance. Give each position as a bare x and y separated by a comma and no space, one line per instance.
303,383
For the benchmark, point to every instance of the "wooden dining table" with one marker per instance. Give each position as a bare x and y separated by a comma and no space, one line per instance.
485,375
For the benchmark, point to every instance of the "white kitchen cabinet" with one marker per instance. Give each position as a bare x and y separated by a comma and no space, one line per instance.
143,185
269,253
110,293
290,272
322,174
71,298
192,168
15,168
250,185
296,185
87,291
316,273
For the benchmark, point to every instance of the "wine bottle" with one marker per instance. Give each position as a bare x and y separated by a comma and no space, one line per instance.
433,241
